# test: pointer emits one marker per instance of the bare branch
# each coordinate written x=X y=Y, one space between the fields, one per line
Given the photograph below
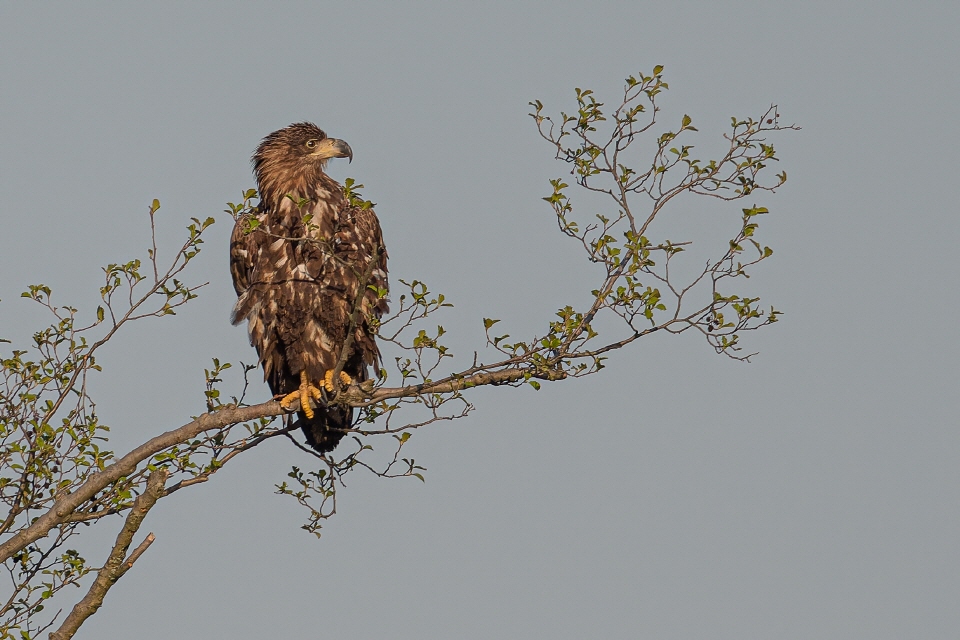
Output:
x=115 y=566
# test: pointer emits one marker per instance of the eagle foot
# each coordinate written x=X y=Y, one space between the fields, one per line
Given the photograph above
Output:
x=303 y=394
x=345 y=380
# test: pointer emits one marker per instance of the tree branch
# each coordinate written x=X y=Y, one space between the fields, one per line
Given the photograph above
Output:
x=115 y=566
x=61 y=511
x=126 y=465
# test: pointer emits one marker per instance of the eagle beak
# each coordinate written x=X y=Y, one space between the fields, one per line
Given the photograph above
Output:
x=333 y=148
x=343 y=150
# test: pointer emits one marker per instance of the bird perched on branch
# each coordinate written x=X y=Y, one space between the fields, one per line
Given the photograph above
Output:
x=310 y=271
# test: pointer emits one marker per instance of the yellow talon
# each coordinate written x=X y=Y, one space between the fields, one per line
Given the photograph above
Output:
x=303 y=394
x=328 y=380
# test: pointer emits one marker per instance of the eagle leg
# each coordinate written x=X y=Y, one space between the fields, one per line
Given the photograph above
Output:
x=328 y=380
x=304 y=393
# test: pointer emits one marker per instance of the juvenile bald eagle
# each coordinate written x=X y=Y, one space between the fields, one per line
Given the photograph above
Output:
x=300 y=264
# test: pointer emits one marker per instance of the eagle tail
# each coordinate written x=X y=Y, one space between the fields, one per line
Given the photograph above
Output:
x=326 y=428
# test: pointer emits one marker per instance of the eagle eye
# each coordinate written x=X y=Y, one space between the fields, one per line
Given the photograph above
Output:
x=311 y=144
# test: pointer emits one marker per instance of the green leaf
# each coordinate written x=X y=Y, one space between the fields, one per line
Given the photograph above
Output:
x=489 y=322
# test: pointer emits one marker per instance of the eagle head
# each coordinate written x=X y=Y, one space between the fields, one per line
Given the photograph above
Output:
x=288 y=155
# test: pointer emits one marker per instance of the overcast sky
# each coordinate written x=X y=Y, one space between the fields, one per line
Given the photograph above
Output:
x=677 y=494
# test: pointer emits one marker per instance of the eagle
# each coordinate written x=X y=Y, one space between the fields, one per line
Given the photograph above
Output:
x=310 y=271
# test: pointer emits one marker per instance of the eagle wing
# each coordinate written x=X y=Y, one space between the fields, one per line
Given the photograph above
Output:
x=241 y=249
x=358 y=272
x=250 y=268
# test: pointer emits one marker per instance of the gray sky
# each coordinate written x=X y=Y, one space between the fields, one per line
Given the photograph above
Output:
x=810 y=494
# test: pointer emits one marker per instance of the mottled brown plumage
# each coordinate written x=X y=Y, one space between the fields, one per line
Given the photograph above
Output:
x=299 y=272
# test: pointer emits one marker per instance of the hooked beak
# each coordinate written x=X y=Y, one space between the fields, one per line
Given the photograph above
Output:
x=333 y=148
